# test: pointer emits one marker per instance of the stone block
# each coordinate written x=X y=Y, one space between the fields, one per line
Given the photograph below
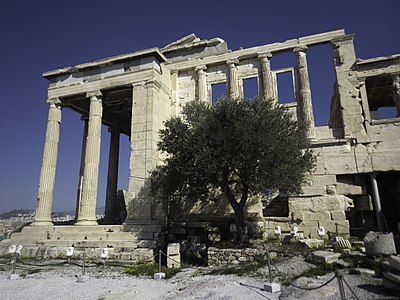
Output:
x=82 y=278
x=365 y=271
x=348 y=189
x=13 y=277
x=272 y=287
x=173 y=255
x=325 y=257
x=338 y=215
x=320 y=204
x=312 y=243
x=158 y=276
x=377 y=243
x=394 y=262
x=392 y=277
x=323 y=215
x=390 y=285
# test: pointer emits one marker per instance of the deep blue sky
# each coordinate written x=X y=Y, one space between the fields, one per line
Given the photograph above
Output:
x=37 y=36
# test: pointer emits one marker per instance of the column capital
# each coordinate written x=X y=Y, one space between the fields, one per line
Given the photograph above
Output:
x=54 y=101
x=200 y=68
x=174 y=72
x=137 y=85
x=264 y=56
x=300 y=49
x=232 y=62
x=94 y=94
x=113 y=129
x=346 y=39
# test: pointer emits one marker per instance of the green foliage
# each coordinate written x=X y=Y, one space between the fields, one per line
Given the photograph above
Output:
x=243 y=269
x=237 y=147
x=149 y=268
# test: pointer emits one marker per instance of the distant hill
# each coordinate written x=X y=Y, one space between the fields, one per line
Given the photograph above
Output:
x=16 y=212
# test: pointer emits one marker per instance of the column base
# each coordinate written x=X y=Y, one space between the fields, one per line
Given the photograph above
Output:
x=86 y=223
x=42 y=223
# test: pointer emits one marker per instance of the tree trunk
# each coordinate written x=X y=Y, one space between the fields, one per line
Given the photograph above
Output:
x=240 y=226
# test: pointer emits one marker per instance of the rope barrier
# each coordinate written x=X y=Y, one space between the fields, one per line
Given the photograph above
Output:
x=178 y=262
x=354 y=294
x=314 y=288
x=353 y=228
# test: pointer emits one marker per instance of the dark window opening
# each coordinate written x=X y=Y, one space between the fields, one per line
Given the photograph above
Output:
x=285 y=86
x=250 y=88
x=380 y=97
x=218 y=90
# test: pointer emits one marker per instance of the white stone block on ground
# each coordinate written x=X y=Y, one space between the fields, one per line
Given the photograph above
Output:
x=173 y=255
x=82 y=279
x=159 y=275
x=364 y=271
x=272 y=287
x=312 y=243
x=324 y=257
x=13 y=276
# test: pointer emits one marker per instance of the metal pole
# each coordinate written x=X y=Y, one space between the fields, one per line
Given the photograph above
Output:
x=14 y=261
x=340 y=283
x=83 y=264
x=269 y=267
x=159 y=261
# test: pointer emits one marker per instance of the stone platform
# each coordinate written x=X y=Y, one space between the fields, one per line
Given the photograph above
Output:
x=52 y=241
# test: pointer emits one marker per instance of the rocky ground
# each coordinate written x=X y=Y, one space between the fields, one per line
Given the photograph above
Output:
x=56 y=280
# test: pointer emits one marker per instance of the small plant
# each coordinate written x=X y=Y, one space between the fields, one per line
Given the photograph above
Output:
x=242 y=269
x=197 y=273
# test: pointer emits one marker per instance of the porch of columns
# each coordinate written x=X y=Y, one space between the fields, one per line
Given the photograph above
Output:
x=233 y=78
x=267 y=85
x=305 y=110
x=202 y=82
x=49 y=163
x=87 y=205
x=112 y=177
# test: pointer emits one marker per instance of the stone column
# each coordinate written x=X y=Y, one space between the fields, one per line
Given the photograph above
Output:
x=85 y=120
x=49 y=162
x=174 y=93
x=87 y=205
x=202 y=82
x=377 y=203
x=267 y=86
x=112 y=178
x=233 y=78
x=304 y=101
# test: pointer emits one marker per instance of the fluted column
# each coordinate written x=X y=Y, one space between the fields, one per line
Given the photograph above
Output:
x=49 y=163
x=87 y=205
x=202 y=82
x=85 y=120
x=112 y=178
x=305 y=114
x=174 y=92
x=267 y=88
x=233 y=78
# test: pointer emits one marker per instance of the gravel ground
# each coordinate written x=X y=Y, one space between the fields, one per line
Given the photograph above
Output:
x=110 y=283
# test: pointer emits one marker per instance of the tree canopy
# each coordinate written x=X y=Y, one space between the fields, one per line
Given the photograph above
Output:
x=239 y=147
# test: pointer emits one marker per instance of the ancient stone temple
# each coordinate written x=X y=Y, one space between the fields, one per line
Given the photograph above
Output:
x=354 y=188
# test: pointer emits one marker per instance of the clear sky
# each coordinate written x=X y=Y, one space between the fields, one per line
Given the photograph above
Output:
x=38 y=36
